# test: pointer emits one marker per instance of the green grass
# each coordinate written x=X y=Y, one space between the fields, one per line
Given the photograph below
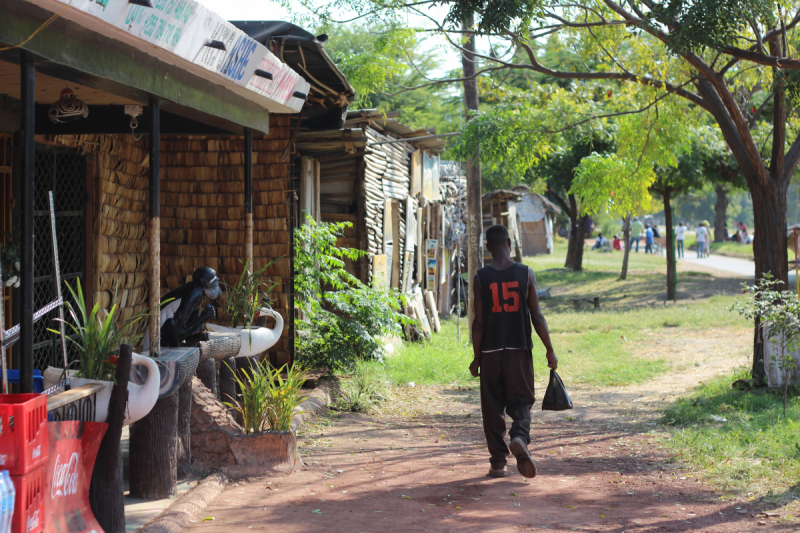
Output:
x=755 y=450
x=589 y=345
x=734 y=249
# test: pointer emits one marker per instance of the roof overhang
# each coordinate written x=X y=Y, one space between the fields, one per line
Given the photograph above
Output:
x=134 y=51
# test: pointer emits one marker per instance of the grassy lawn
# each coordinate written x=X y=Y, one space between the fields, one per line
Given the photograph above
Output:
x=755 y=450
x=596 y=348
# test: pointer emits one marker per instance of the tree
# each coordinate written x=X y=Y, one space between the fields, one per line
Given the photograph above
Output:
x=717 y=56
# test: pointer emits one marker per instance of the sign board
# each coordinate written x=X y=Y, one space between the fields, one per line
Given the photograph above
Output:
x=431 y=273
x=416 y=173
x=73 y=450
x=379 y=269
x=431 y=248
x=430 y=177
x=182 y=27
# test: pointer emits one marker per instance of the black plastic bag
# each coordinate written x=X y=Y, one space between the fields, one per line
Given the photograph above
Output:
x=556 y=397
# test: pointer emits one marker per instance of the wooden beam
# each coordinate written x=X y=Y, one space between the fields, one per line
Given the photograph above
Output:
x=155 y=226
x=248 y=197
x=28 y=79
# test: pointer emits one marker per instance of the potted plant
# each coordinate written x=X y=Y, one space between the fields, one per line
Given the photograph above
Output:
x=245 y=301
x=96 y=340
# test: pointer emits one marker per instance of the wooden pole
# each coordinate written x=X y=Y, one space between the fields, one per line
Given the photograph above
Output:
x=248 y=197
x=155 y=227
x=474 y=209
x=106 y=492
x=28 y=82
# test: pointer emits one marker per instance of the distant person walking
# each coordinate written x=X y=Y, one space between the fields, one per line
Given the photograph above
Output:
x=702 y=235
x=637 y=228
x=680 y=236
x=506 y=304
x=649 y=239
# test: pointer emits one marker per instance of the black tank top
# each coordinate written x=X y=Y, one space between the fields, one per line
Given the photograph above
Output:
x=506 y=317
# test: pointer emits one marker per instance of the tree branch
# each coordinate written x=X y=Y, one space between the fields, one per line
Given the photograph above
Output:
x=440 y=82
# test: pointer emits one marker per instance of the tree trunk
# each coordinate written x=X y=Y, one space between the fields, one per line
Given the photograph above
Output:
x=227 y=383
x=207 y=372
x=184 y=450
x=769 y=250
x=721 y=209
x=469 y=65
x=626 y=238
x=106 y=490
x=580 y=237
x=153 y=452
x=671 y=270
x=573 y=231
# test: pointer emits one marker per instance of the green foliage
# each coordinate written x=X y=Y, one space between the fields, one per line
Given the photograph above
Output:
x=621 y=181
x=244 y=299
x=341 y=319
x=494 y=16
x=9 y=260
x=375 y=62
x=364 y=390
x=96 y=339
x=702 y=24
x=755 y=450
x=268 y=399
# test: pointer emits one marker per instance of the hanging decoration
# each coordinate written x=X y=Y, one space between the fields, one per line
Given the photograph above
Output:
x=68 y=108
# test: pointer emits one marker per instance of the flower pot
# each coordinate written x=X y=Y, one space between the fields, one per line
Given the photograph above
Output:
x=254 y=339
x=141 y=398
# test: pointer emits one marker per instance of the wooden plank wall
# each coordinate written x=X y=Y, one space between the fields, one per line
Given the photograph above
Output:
x=120 y=210
x=202 y=212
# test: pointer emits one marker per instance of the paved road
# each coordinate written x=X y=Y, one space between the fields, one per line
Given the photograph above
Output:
x=734 y=265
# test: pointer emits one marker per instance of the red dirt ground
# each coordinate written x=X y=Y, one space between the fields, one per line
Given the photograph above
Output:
x=426 y=471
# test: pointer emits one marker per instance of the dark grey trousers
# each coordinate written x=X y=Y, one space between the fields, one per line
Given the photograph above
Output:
x=507 y=386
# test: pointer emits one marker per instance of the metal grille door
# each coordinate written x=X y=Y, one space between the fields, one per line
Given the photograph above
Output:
x=64 y=173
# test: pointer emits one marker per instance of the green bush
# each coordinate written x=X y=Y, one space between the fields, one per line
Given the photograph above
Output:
x=365 y=390
x=340 y=319
x=268 y=400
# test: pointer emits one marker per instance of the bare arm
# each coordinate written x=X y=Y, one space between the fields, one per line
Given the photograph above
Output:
x=477 y=327
x=539 y=323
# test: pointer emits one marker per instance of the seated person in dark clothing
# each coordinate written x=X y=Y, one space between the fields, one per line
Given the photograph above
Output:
x=506 y=304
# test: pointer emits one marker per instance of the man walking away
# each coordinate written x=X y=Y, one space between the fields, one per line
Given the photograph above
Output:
x=702 y=233
x=636 y=232
x=506 y=303
x=680 y=233
x=649 y=240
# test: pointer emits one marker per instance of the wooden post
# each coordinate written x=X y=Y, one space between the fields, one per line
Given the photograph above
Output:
x=153 y=451
x=28 y=82
x=474 y=208
x=155 y=228
x=184 y=450
x=106 y=493
x=248 y=197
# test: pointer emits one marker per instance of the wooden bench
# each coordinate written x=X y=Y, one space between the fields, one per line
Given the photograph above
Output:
x=576 y=302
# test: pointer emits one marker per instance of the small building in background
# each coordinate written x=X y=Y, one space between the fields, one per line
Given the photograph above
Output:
x=535 y=216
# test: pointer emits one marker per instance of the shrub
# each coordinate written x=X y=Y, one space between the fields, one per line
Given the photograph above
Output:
x=340 y=319
x=96 y=339
x=268 y=400
x=365 y=390
x=244 y=299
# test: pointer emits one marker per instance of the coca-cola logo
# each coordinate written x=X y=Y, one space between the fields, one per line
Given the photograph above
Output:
x=65 y=477
x=3 y=459
x=36 y=452
x=32 y=522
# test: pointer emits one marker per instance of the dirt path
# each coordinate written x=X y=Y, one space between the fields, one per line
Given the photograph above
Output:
x=421 y=466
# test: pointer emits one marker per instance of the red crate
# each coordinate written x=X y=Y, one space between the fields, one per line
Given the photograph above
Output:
x=29 y=502
x=24 y=441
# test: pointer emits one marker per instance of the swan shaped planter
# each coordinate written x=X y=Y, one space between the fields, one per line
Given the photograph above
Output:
x=255 y=339
x=141 y=398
